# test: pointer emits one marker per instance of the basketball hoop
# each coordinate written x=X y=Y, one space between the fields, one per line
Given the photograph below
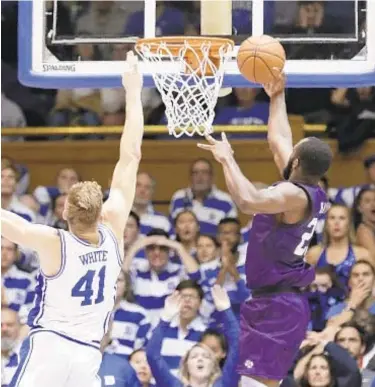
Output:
x=188 y=72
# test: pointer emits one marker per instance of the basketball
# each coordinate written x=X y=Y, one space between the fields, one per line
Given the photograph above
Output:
x=258 y=56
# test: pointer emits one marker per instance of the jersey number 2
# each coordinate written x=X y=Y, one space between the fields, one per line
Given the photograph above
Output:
x=306 y=237
x=83 y=287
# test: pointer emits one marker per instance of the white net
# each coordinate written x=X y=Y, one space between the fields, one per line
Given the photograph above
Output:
x=188 y=77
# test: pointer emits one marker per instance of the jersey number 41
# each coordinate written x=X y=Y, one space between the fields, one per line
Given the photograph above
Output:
x=84 y=289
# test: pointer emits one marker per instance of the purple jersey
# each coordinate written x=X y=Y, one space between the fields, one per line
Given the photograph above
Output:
x=275 y=253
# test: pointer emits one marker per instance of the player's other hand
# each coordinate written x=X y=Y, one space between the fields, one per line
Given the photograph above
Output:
x=221 y=150
x=276 y=87
x=172 y=306
x=220 y=297
x=132 y=79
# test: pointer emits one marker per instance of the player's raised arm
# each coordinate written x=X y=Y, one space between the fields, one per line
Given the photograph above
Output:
x=249 y=199
x=119 y=203
x=279 y=131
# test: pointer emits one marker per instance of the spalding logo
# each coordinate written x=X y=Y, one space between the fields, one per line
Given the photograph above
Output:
x=71 y=68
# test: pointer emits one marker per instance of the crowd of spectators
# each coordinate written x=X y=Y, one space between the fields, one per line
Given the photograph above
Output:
x=175 y=321
x=348 y=114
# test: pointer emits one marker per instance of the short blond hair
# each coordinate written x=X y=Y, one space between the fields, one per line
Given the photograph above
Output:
x=84 y=203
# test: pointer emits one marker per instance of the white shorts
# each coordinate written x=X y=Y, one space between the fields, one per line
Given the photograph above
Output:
x=49 y=360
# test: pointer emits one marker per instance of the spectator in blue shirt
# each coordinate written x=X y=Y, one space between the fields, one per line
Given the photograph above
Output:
x=130 y=326
x=117 y=371
x=224 y=266
x=208 y=203
x=23 y=175
x=45 y=195
x=243 y=109
x=337 y=249
x=233 y=256
x=183 y=329
x=132 y=236
x=220 y=342
x=199 y=365
x=10 y=344
x=157 y=279
x=325 y=292
x=361 y=283
x=18 y=285
x=207 y=252
x=187 y=230
x=57 y=220
x=149 y=218
x=9 y=198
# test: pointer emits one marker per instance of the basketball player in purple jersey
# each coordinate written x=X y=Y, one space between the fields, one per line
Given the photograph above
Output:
x=275 y=320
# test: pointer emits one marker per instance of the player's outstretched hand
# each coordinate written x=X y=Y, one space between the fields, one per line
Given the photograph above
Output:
x=221 y=150
x=132 y=79
x=277 y=86
x=172 y=306
x=220 y=297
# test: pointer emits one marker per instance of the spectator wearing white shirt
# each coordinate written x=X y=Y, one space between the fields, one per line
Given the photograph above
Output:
x=187 y=231
x=229 y=270
x=45 y=195
x=9 y=199
x=131 y=237
x=10 y=344
x=18 y=286
x=130 y=326
x=153 y=282
x=23 y=174
x=209 y=204
x=182 y=325
x=142 y=206
x=57 y=220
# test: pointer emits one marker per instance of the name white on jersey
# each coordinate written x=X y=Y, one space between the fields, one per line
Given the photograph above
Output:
x=78 y=301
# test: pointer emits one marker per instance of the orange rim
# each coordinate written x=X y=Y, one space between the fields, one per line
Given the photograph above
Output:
x=174 y=43
x=193 y=55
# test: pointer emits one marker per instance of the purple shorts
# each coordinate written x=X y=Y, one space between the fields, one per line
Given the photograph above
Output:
x=272 y=329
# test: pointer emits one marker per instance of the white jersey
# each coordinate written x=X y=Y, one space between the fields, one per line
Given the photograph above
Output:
x=77 y=302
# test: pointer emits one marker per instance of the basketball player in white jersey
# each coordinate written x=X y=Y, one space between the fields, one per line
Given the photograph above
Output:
x=79 y=267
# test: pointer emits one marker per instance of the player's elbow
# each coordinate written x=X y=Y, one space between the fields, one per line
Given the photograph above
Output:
x=246 y=206
x=129 y=157
x=272 y=140
x=275 y=139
